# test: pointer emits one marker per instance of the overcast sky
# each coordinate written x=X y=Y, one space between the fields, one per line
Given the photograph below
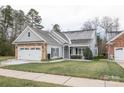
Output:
x=70 y=14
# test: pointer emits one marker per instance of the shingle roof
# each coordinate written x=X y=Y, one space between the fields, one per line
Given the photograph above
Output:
x=46 y=35
x=74 y=35
x=62 y=35
x=81 y=41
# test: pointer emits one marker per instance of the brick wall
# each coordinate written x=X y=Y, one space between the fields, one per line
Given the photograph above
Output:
x=118 y=42
x=42 y=46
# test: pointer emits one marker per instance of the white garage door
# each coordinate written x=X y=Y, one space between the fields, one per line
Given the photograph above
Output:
x=119 y=54
x=29 y=53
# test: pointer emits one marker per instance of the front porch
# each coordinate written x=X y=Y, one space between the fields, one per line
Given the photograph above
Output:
x=73 y=52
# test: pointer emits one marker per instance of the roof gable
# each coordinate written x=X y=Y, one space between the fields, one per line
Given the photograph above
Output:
x=23 y=37
x=47 y=36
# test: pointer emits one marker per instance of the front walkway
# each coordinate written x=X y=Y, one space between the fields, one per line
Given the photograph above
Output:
x=57 y=79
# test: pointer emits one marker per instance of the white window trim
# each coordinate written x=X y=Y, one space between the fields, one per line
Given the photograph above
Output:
x=55 y=56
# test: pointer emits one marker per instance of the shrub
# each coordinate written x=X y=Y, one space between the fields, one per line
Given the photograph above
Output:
x=100 y=57
x=88 y=53
x=76 y=56
x=6 y=49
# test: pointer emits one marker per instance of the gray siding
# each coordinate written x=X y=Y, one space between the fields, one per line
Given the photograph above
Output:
x=25 y=37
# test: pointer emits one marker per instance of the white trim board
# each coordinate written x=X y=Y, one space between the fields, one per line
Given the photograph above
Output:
x=115 y=37
x=74 y=45
x=68 y=38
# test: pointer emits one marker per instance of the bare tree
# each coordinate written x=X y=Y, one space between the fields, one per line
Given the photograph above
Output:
x=116 y=24
x=91 y=24
x=95 y=22
x=87 y=25
x=106 y=23
x=109 y=24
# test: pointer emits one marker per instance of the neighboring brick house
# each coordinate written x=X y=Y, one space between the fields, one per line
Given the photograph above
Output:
x=115 y=47
x=36 y=44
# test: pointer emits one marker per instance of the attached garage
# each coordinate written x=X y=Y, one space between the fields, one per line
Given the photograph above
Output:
x=119 y=54
x=33 y=53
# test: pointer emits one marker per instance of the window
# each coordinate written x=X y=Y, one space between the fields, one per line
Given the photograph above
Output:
x=76 y=50
x=28 y=34
x=32 y=48
x=119 y=49
x=37 y=48
x=57 y=51
x=21 y=48
x=54 y=52
x=71 y=50
x=26 y=48
x=80 y=50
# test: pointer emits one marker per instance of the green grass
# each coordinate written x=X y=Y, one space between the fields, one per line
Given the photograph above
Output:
x=2 y=58
x=94 y=69
x=12 y=82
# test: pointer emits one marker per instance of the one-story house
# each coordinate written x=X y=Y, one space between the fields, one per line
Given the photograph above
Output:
x=36 y=44
x=115 y=48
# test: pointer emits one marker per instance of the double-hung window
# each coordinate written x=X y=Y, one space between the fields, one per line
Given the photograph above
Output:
x=54 y=52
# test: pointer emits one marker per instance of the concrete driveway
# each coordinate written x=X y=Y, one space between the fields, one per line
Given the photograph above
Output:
x=15 y=62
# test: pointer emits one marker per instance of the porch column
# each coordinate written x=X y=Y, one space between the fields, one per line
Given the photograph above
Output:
x=63 y=52
x=69 y=51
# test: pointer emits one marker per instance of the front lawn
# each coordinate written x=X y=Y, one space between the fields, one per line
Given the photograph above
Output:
x=13 y=82
x=2 y=58
x=94 y=69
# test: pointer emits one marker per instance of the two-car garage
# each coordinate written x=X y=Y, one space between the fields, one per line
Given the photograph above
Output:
x=26 y=53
